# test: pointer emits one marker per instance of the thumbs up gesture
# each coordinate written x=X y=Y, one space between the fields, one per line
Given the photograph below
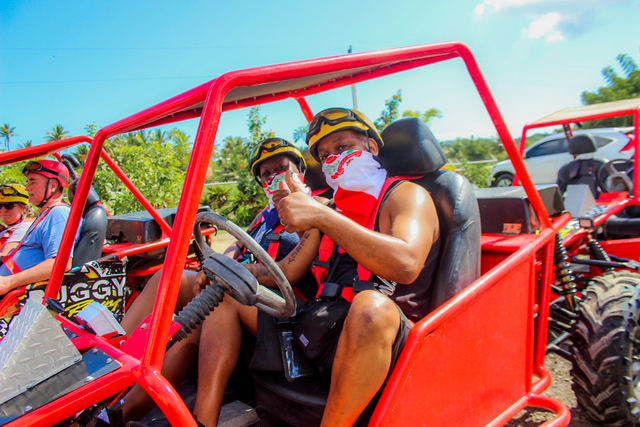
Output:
x=297 y=211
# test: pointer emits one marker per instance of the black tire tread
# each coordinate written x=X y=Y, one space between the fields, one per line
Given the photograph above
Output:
x=605 y=339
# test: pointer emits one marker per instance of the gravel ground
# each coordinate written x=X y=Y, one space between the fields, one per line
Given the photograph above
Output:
x=559 y=389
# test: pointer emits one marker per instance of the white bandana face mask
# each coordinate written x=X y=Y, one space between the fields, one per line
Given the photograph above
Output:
x=349 y=167
x=273 y=183
x=357 y=179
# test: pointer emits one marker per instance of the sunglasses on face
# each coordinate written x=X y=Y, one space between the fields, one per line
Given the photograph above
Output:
x=7 y=206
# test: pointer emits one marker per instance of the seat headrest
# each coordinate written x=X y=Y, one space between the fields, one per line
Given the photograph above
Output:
x=314 y=177
x=582 y=144
x=92 y=198
x=410 y=149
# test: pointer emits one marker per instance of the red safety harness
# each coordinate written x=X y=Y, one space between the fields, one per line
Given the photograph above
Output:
x=273 y=238
x=327 y=250
x=8 y=260
x=8 y=232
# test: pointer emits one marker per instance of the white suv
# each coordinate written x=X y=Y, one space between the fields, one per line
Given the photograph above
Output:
x=544 y=158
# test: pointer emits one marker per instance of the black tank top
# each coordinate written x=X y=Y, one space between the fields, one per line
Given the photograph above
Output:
x=412 y=298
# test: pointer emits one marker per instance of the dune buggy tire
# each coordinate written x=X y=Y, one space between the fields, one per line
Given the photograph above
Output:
x=606 y=349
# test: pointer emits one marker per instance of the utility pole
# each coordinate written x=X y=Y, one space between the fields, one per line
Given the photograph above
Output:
x=353 y=89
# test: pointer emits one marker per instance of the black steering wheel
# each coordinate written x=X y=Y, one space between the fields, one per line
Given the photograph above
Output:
x=616 y=175
x=239 y=283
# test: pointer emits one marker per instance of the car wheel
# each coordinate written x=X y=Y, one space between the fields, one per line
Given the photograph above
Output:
x=504 y=179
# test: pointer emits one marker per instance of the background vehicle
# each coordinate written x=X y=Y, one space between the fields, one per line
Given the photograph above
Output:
x=545 y=157
x=594 y=316
x=476 y=360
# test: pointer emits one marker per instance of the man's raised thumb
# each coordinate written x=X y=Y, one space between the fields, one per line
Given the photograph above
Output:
x=292 y=184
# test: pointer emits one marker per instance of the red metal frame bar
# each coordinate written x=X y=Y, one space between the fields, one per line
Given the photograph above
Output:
x=166 y=229
x=49 y=148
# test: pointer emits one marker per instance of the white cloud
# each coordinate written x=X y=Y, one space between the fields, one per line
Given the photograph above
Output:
x=545 y=26
x=552 y=20
x=497 y=5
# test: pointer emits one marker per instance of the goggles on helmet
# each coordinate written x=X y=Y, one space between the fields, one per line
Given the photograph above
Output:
x=13 y=193
x=332 y=117
x=37 y=167
x=274 y=147
x=7 y=190
x=332 y=120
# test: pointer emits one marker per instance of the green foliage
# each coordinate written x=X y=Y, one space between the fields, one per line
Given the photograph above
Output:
x=427 y=117
x=300 y=134
x=231 y=163
x=154 y=163
x=617 y=88
x=391 y=111
x=12 y=173
x=465 y=149
x=477 y=174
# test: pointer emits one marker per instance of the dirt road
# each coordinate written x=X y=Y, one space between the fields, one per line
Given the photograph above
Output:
x=560 y=389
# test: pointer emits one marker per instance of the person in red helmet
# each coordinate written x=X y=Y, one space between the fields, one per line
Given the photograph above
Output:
x=32 y=260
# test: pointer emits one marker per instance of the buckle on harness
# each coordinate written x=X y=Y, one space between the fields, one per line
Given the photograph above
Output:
x=318 y=263
x=330 y=291
x=273 y=237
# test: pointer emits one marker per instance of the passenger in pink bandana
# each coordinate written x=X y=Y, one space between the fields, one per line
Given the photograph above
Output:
x=388 y=254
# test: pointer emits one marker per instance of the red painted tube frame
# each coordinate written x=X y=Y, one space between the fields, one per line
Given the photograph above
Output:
x=166 y=229
x=213 y=93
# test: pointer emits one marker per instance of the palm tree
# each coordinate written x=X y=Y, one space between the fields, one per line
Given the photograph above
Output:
x=7 y=132
x=57 y=133
x=25 y=144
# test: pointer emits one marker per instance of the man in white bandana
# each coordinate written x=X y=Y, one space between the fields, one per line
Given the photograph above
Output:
x=375 y=241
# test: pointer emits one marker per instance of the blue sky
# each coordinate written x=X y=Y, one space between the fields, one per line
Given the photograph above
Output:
x=79 y=62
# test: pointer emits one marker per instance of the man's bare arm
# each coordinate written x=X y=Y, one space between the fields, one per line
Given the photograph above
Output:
x=295 y=265
x=408 y=228
x=37 y=273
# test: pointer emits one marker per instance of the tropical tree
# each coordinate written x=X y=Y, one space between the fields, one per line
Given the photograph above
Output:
x=57 y=133
x=300 y=133
x=152 y=165
x=617 y=88
x=91 y=129
x=7 y=132
x=25 y=144
x=427 y=117
x=182 y=147
x=231 y=163
x=391 y=111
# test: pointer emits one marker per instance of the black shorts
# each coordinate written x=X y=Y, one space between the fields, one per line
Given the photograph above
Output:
x=268 y=356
